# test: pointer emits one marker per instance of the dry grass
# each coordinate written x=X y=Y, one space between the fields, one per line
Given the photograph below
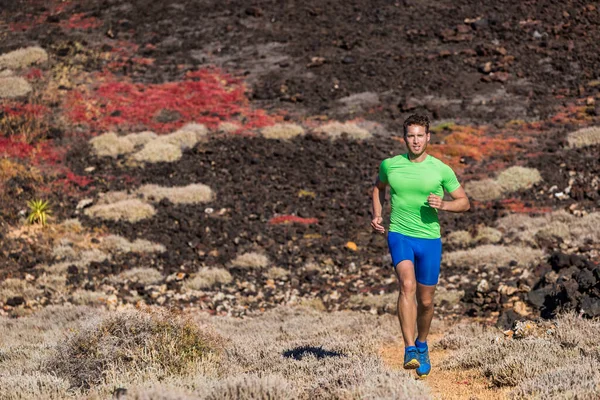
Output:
x=6 y=72
x=487 y=235
x=386 y=301
x=584 y=137
x=459 y=238
x=282 y=131
x=277 y=273
x=131 y=210
x=493 y=256
x=132 y=341
x=229 y=127
x=82 y=297
x=111 y=145
x=517 y=178
x=158 y=151
x=335 y=130
x=190 y=194
x=484 y=190
x=208 y=278
x=252 y=387
x=13 y=86
x=120 y=244
x=12 y=287
x=558 y=362
x=145 y=276
x=23 y=58
x=251 y=260
x=521 y=228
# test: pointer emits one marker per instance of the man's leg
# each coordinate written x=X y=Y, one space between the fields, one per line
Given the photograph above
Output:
x=425 y=310
x=407 y=306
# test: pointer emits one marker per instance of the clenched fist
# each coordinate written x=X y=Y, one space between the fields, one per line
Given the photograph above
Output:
x=435 y=201
x=376 y=225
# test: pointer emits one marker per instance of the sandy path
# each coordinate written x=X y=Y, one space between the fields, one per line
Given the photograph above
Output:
x=447 y=385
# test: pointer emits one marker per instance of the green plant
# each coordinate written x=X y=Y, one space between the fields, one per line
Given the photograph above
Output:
x=39 y=211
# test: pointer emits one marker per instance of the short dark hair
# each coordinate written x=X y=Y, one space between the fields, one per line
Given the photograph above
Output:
x=416 y=119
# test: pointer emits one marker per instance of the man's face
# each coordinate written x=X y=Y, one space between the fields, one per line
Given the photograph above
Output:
x=416 y=139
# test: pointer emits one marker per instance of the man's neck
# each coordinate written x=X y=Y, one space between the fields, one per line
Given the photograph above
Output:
x=413 y=158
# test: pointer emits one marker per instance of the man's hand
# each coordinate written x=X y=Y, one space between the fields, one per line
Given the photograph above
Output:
x=376 y=225
x=435 y=201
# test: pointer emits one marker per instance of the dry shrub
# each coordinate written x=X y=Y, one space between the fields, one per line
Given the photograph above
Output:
x=277 y=273
x=55 y=284
x=452 y=297
x=574 y=331
x=13 y=86
x=145 y=276
x=459 y=238
x=12 y=287
x=140 y=138
x=121 y=244
x=251 y=260
x=463 y=335
x=160 y=391
x=133 y=340
x=208 y=278
x=87 y=257
x=23 y=57
x=113 y=197
x=335 y=130
x=131 y=210
x=584 y=137
x=229 y=127
x=576 y=380
x=111 y=145
x=517 y=178
x=190 y=194
x=158 y=151
x=82 y=297
x=33 y=386
x=484 y=190
x=314 y=303
x=5 y=73
x=558 y=224
x=321 y=356
x=487 y=234
x=64 y=252
x=282 y=131
x=490 y=255
x=378 y=301
x=252 y=387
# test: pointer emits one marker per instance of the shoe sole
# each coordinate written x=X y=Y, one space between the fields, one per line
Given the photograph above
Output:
x=422 y=376
x=412 y=364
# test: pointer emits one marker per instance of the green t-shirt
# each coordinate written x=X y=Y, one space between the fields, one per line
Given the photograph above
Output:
x=410 y=184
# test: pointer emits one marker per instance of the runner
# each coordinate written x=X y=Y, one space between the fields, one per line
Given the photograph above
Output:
x=417 y=182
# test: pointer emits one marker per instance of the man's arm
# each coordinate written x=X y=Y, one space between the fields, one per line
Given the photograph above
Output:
x=378 y=202
x=459 y=203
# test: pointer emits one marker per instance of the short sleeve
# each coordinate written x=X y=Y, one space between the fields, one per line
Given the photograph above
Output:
x=449 y=181
x=383 y=171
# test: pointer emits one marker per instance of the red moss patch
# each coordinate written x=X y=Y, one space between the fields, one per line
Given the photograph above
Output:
x=290 y=219
x=206 y=96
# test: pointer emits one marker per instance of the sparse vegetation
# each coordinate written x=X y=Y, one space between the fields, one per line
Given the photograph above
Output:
x=250 y=260
x=208 y=278
x=131 y=210
x=554 y=362
x=23 y=57
x=12 y=87
x=132 y=341
x=277 y=273
x=158 y=151
x=190 y=194
x=335 y=130
x=145 y=276
x=120 y=244
x=385 y=301
x=484 y=190
x=517 y=178
x=584 y=137
x=111 y=145
x=282 y=131
x=493 y=256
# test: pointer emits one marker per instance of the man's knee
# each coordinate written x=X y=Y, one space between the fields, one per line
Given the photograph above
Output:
x=426 y=303
x=408 y=287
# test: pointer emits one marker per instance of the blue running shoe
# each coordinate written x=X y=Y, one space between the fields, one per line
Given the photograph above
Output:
x=411 y=360
x=424 y=364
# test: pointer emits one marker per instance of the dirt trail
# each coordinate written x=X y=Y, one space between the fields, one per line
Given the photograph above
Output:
x=447 y=385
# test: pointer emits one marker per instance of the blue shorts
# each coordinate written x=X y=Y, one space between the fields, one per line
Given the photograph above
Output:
x=425 y=254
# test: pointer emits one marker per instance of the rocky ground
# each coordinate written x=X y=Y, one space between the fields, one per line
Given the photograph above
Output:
x=288 y=219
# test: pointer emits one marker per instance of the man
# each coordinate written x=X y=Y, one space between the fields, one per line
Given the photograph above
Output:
x=417 y=182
